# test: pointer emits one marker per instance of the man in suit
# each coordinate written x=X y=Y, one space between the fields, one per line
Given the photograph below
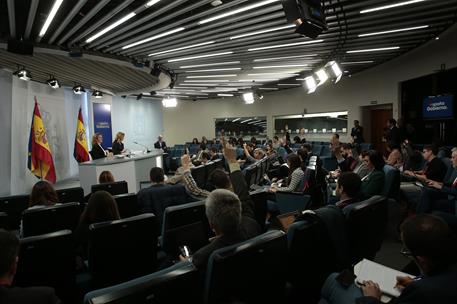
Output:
x=357 y=133
x=393 y=136
x=347 y=189
x=160 y=143
x=9 y=250
x=440 y=194
x=432 y=245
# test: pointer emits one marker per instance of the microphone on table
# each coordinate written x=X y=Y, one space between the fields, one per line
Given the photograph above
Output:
x=147 y=148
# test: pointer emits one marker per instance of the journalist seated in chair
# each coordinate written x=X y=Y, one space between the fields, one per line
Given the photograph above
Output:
x=43 y=195
x=373 y=182
x=435 y=170
x=214 y=154
x=183 y=175
x=223 y=210
x=106 y=177
x=295 y=178
x=347 y=189
x=395 y=158
x=432 y=245
x=101 y=208
x=441 y=196
x=9 y=251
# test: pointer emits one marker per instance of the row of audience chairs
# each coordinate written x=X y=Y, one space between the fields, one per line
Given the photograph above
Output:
x=254 y=173
x=202 y=173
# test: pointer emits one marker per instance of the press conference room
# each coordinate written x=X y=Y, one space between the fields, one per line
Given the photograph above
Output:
x=228 y=151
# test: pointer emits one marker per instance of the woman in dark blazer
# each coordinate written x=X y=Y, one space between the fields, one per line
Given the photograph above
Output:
x=118 y=146
x=97 y=149
x=373 y=183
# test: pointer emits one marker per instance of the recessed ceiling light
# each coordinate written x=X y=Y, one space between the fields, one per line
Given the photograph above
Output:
x=356 y=62
x=200 y=56
x=280 y=66
x=395 y=31
x=182 y=48
x=379 y=8
x=213 y=70
x=263 y=31
x=209 y=64
x=179 y=29
x=282 y=58
x=285 y=45
x=212 y=76
x=51 y=16
x=110 y=27
x=374 y=50
x=237 y=11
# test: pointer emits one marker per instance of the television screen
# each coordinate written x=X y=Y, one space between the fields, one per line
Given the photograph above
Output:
x=438 y=107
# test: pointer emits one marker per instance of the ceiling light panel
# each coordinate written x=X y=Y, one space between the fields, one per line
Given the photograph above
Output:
x=394 y=31
x=213 y=70
x=52 y=14
x=374 y=50
x=110 y=27
x=384 y=7
x=212 y=76
x=155 y=37
x=280 y=66
x=237 y=11
x=182 y=48
x=283 y=58
x=209 y=64
x=263 y=31
x=200 y=56
x=285 y=45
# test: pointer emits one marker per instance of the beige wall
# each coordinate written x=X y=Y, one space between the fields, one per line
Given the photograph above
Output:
x=381 y=84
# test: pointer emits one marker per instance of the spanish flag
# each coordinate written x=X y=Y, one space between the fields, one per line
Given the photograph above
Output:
x=81 y=152
x=40 y=160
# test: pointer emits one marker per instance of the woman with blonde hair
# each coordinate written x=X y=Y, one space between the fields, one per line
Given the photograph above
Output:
x=97 y=149
x=118 y=145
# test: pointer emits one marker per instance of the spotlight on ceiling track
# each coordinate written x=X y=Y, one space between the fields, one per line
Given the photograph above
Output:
x=321 y=76
x=248 y=98
x=156 y=70
x=138 y=97
x=307 y=15
x=53 y=82
x=23 y=74
x=97 y=94
x=79 y=89
x=311 y=84
x=168 y=102
x=334 y=70
x=259 y=95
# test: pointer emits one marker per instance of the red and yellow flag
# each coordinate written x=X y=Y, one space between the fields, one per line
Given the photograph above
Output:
x=40 y=161
x=81 y=152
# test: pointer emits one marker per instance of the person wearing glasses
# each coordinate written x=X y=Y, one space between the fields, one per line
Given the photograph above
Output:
x=432 y=245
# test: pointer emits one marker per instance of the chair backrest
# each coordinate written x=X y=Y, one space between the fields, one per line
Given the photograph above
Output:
x=259 y=198
x=392 y=182
x=209 y=168
x=317 y=247
x=450 y=169
x=122 y=250
x=317 y=149
x=326 y=151
x=252 y=271
x=156 y=199
x=127 y=204
x=185 y=225
x=365 y=225
x=50 y=219
x=48 y=260
x=113 y=188
x=176 y=284
x=3 y=220
x=219 y=163
x=13 y=206
x=69 y=195
x=291 y=202
x=199 y=175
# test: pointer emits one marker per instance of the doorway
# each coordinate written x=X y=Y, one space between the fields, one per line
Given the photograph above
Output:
x=378 y=125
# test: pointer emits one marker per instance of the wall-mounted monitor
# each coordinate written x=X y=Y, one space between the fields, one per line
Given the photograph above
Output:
x=438 y=107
